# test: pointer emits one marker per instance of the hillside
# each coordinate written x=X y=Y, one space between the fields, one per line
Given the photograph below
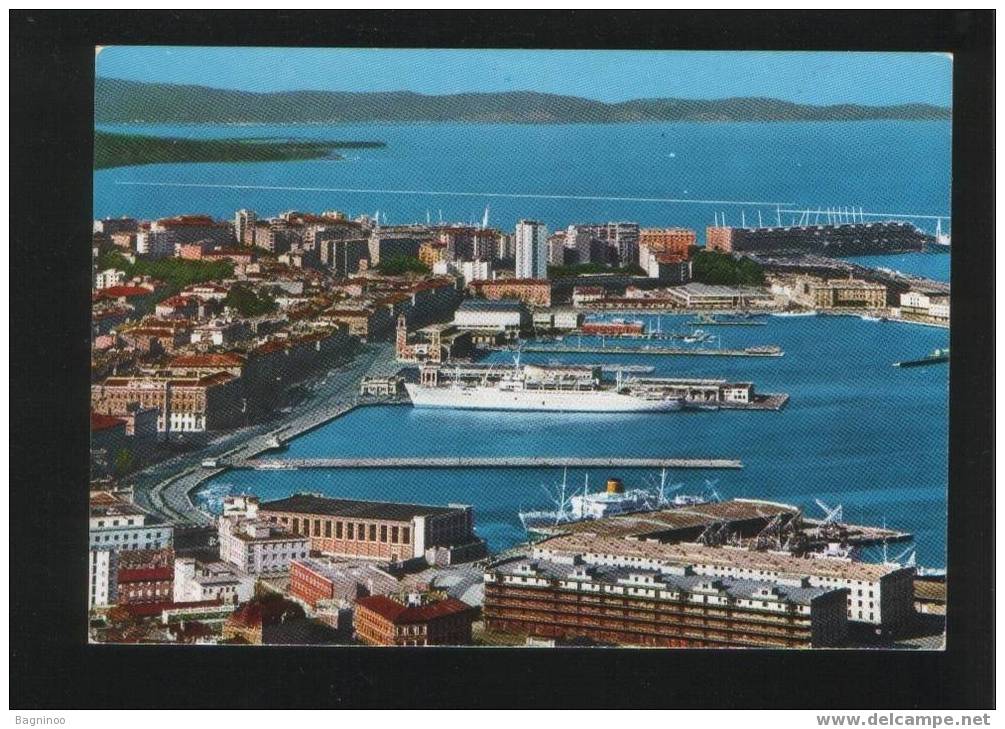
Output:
x=119 y=101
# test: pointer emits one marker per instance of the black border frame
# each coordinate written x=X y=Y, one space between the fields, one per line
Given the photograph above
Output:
x=51 y=99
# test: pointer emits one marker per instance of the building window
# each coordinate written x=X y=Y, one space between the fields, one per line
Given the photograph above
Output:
x=373 y=533
x=328 y=528
x=349 y=530
x=394 y=534
x=361 y=532
x=338 y=530
x=296 y=526
x=383 y=532
x=405 y=535
x=317 y=527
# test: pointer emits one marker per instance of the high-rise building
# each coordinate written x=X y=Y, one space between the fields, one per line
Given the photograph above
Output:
x=244 y=227
x=531 y=249
x=621 y=241
x=579 y=241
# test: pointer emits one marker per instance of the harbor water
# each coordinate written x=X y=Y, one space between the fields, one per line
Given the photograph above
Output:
x=856 y=432
x=559 y=174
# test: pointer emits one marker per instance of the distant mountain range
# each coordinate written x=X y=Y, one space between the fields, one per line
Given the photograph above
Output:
x=120 y=101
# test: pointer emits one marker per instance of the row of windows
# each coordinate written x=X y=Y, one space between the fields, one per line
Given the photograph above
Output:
x=106 y=538
x=115 y=522
x=352 y=531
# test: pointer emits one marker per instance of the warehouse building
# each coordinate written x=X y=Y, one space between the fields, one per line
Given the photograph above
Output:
x=565 y=597
x=381 y=531
x=880 y=596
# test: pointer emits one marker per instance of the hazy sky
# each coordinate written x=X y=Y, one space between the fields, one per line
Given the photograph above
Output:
x=816 y=78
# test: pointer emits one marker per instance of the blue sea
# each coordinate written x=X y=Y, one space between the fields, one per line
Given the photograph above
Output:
x=857 y=431
x=554 y=173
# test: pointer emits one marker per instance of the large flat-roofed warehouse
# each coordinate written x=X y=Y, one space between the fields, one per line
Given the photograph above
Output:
x=381 y=531
x=705 y=296
x=489 y=320
x=880 y=595
x=565 y=597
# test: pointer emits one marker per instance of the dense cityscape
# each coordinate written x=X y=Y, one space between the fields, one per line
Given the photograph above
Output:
x=216 y=342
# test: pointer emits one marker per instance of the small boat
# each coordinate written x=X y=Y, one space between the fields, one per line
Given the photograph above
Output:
x=937 y=356
x=698 y=335
x=811 y=312
x=742 y=319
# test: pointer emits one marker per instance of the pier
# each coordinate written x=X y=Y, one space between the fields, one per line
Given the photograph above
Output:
x=648 y=350
x=270 y=464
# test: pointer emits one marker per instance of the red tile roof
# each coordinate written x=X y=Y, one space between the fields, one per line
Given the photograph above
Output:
x=116 y=292
x=179 y=300
x=399 y=614
x=104 y=422
x=189 y=221
x=517 y=282
x=145 y=574
x=226 y=359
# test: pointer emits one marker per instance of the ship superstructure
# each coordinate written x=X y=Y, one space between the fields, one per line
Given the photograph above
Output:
x=614 y=500
x=534 y=387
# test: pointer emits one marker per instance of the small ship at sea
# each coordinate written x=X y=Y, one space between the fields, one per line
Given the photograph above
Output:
x=937 y=356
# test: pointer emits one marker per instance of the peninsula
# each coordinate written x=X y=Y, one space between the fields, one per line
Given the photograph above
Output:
x=120 y=150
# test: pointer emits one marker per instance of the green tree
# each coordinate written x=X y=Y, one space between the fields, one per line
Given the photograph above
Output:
x=722 y=269
x=248 y=303
x=123 y=461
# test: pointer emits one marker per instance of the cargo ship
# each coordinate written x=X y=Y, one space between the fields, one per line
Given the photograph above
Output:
x=556 y=389
x=937 y=356
x=612 y=501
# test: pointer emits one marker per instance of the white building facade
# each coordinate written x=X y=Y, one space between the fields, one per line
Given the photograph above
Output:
x=256 y=546
x=196 y=581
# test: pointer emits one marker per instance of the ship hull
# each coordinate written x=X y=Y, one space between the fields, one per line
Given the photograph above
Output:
x=922 y=362
x=568 y=401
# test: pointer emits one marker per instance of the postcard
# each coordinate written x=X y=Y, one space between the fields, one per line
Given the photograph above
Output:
x=527 y=348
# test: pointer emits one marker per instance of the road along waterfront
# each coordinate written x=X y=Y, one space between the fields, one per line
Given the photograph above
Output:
x=165 y=487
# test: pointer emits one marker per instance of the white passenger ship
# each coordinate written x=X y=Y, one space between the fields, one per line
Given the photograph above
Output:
x=530 y=387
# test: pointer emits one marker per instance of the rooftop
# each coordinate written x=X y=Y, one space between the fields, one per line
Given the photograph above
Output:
x=338 y=570
x=101 y=422
x=700 y=289
x=116 y=292
x=488 y=305
x=799 y=594
x=516 y=282
x=226 y=359
x=402 y=614
x=104 y=503
x=697 y=554
x=311 y=504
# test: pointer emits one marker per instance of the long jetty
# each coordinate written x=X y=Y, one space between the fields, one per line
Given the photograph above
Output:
x=647 y=350
x=477 y=462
